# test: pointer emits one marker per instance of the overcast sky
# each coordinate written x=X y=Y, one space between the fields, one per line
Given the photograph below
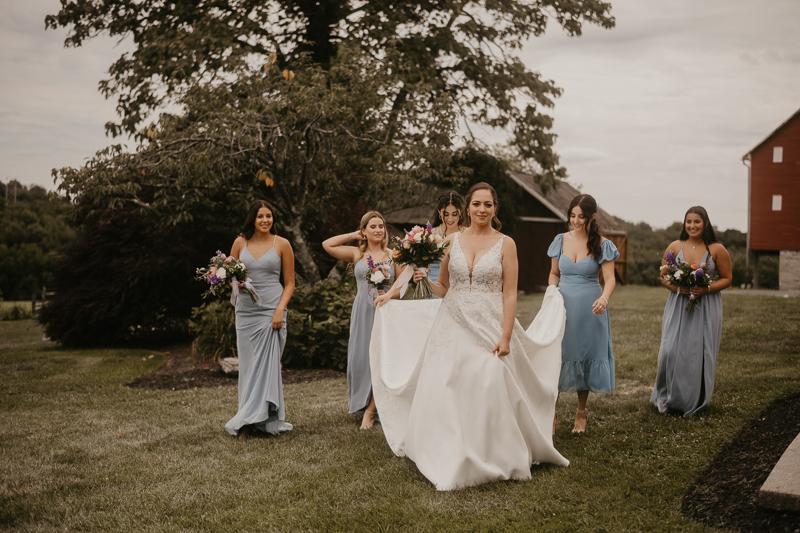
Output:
x=655 y=117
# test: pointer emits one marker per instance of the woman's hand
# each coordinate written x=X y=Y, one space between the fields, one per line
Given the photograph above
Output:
x=700 y=291
x=381 y=292
x=420 y=273
x=599 y=306
x=383 y=297
x=502 y=348
x=685 y=291
x=277 y=319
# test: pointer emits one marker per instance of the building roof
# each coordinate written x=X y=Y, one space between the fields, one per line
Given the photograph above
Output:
x=746 y=156
x=558 y=199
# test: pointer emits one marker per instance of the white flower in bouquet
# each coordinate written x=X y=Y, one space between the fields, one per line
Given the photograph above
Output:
x=677 y=274
x=222 y=273
x=377 y=277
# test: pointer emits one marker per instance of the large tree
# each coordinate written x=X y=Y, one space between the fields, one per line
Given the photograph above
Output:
x=463 y=48
x=300 y=140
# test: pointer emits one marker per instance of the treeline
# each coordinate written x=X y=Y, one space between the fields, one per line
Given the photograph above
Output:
x=646 y=247
x=34 y=231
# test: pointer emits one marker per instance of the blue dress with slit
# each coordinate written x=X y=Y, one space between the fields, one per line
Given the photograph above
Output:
x=260 y=348
x=687 y=357
x=586 y=359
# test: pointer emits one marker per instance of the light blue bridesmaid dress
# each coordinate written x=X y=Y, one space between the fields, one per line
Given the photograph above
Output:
x=586 y=359
x=687 y=358
x=359 y=377
x=260 y=348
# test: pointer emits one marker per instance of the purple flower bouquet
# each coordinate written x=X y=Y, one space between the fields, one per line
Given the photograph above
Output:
x=682 y=274
x=220 y=274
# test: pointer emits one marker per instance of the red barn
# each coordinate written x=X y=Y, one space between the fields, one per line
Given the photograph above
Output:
x=773 y=200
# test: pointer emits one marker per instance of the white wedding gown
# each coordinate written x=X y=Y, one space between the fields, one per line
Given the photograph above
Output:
x=462 y=414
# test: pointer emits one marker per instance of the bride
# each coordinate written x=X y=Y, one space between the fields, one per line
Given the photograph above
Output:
x=462 y=389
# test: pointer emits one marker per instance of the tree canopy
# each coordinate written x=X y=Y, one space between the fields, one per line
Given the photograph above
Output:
x=465 y=49
x=298 y=141
x=33 y=232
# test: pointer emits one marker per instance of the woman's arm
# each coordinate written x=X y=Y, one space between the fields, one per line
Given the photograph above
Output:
x=510 y=277
x=238 y=246
x=286 y=254
x=724 y=268
x=672 y=248
x=335 y=246
x=555 y=273
x=609 y=284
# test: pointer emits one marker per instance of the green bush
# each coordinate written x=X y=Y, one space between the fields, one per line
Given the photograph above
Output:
x=318 y=326
x=16 y=312
x=213 y=326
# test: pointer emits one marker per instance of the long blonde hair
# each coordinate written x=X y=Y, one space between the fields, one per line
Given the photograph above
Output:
x=362 y=245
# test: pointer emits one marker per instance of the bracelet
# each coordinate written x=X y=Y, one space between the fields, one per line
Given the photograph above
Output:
x=604 y=298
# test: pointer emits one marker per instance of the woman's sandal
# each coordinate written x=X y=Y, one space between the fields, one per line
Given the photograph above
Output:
x=586 y=421
x=363 y=423
x=244 y=433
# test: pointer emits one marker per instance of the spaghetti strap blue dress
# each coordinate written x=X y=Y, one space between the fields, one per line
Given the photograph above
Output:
x=687 y=357
x=587 y=362
x=260 y=348
x=359 y=377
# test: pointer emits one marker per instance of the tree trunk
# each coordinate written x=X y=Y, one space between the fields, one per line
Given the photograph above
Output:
x=305 y=267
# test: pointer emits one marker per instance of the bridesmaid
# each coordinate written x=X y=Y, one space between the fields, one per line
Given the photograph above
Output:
x=587 y=363
x=373 y=241
x=446 y=220
x=687 y=358
x=261 y=327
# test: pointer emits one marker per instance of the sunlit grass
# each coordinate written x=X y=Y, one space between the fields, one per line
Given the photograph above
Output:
x=83 y=452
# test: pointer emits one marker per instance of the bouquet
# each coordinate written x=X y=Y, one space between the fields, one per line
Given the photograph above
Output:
x=420 y=248
x=682 y=274
x=378 y=275
x=220 y=273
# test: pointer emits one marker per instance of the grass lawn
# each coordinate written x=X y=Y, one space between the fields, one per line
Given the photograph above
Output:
x=83 y=452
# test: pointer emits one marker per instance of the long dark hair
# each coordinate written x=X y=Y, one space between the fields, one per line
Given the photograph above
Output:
x=588 y=207
x=250 y=223
x=480 y=187
x=449 y=198
x=709 y=235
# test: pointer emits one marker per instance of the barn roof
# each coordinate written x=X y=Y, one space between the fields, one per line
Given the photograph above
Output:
x=558 y=199
x=746 y=156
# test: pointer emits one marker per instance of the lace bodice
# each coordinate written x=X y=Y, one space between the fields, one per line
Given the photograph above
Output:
x=487 y=273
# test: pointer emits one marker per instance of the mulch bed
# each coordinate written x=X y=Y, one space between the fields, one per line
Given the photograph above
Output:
x=182 y=371
x=725 y=495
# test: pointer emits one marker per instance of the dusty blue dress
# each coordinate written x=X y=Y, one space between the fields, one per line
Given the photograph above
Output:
x=260 y=348
x=359 y=378
x=687 y=357
x=586 y=359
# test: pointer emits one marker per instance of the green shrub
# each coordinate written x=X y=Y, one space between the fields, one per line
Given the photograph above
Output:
x=318 y=326
x=213 y=326
x=16 y=312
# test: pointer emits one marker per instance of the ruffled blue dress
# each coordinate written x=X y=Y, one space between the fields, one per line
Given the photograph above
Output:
x=586 y=359
x=260 y=348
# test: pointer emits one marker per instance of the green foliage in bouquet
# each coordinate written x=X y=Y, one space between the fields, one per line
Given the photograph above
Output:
x=213 y=326
x=319 y=325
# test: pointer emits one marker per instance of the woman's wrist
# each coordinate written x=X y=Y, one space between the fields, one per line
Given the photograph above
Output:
x=605 y=299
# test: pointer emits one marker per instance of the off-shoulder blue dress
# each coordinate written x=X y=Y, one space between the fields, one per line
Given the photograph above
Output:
x=586 y=359
x=260 y=348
